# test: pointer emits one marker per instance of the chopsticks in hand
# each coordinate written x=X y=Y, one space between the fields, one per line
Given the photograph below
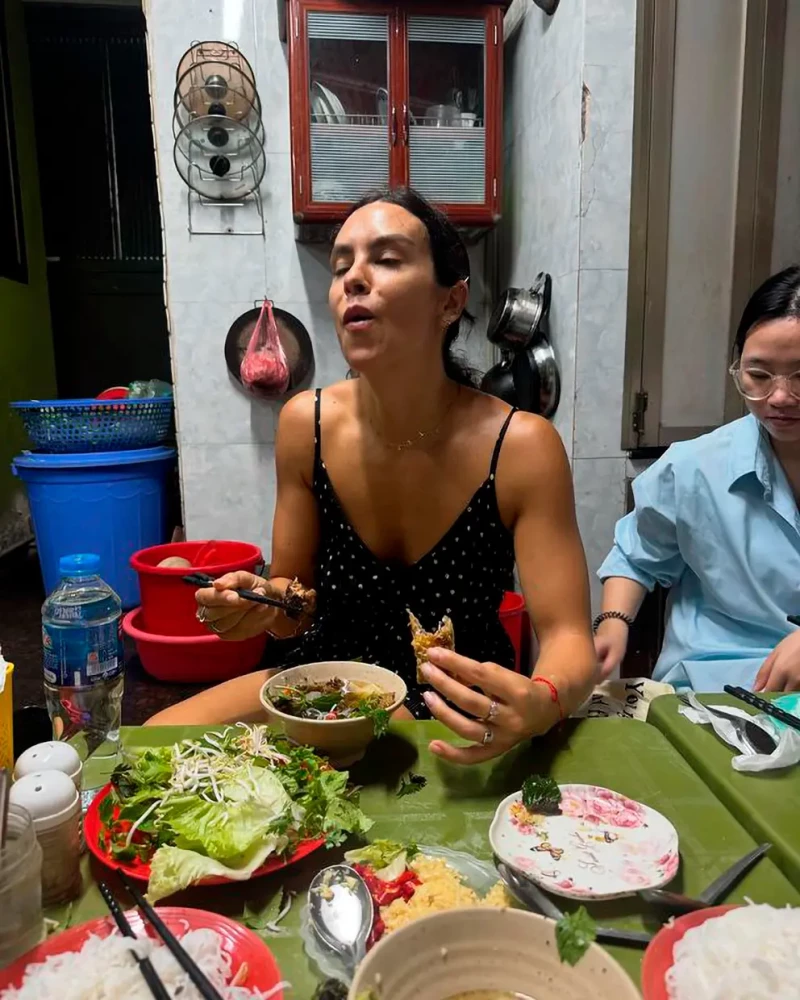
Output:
x=149 y=974
x=203 y=580
x=206 y=989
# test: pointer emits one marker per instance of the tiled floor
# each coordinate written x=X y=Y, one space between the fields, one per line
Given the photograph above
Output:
x=21 y=597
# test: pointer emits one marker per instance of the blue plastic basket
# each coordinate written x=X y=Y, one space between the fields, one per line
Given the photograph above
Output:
x=61 y=426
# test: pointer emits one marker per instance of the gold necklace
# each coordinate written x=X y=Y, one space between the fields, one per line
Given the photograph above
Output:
x=420 y=435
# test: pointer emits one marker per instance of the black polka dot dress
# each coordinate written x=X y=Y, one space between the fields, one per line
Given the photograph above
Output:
x=363 y=601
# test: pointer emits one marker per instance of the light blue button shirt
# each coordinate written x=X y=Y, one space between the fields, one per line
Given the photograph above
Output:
x=715 y=520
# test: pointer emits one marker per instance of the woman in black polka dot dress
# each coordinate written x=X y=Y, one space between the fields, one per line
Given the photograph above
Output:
x=407 y=489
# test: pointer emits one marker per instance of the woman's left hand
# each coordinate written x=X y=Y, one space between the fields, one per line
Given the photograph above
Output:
x=781 y=669
x=507 y=709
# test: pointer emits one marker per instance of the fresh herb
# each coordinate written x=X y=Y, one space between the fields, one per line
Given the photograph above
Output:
x=411 y=785
x=267 y=919
x=574 y=933
x=380 y=717
x=540 y=794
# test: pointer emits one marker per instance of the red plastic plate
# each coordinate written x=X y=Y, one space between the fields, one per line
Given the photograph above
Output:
x=93 y=826
x=241 y=944
x=658 y=959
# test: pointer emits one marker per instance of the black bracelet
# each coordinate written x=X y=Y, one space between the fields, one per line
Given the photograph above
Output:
x=617 y=615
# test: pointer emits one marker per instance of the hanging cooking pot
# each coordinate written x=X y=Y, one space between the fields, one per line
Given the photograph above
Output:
x=549 y=378
x=517 y=316
x=499 y=381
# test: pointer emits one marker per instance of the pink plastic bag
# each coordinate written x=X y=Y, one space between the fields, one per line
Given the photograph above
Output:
x=264 y=367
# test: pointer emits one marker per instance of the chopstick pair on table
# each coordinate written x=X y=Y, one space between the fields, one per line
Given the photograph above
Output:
x=207 y=990
x=763 y=705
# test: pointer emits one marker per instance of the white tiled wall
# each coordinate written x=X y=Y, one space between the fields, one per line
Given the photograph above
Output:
x=226 y=440
x=567 y=212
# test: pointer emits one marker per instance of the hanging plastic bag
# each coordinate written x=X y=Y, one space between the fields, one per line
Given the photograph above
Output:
x=264 y=368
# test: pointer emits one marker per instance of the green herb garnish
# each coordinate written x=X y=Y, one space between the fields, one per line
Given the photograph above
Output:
x=331 y=990
x=380 y=717
x=411 y=785
x=574 y=933
x=266 y=919
x=541 y=794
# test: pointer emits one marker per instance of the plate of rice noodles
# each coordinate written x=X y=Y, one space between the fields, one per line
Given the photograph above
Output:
x=95 y=962
x=736 y=952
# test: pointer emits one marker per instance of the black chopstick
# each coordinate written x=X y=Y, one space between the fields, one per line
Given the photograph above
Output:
x=763 y=705
x=197 y=976
x=202 y=580
x=149 y=974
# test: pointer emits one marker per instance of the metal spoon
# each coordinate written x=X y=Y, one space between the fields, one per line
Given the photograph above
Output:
x=525 y=891
x=757 y=738
x=677 y=903
x=341 y=911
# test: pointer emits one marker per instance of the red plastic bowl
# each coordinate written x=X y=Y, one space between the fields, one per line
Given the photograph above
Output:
x=168 y=604
x=658 y=959
x=243 y=946
x=192 y=659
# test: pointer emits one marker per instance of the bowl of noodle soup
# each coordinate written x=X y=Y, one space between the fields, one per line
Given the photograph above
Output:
x=478 y=954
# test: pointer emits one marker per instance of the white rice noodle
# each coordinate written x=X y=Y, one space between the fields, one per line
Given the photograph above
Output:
x=105 y=969
x=750 y=953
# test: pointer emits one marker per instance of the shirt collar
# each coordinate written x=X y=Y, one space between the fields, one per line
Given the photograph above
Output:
x=750 y=454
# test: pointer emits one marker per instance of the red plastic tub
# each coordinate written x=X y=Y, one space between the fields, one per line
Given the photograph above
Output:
x=517 y=624
x=190 y=659
x=168 y=604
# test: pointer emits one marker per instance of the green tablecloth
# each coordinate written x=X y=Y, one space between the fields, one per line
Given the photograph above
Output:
x=457 y=805
x=766 y=804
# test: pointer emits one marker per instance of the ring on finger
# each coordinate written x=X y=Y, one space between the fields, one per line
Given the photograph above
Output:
x=202 y=613
x=214 y=626
x=488 y=737
x=491 y=713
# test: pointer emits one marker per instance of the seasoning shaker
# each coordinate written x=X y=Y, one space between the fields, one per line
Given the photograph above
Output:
x=21 y=918
x=51 y=756
x=55 y=807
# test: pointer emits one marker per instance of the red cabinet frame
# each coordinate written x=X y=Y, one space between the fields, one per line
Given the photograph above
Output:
x=306 y=211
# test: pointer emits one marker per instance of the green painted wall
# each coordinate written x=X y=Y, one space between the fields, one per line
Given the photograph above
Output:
x=27 y=369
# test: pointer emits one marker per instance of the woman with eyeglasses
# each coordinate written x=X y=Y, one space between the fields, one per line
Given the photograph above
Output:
x=716 y=520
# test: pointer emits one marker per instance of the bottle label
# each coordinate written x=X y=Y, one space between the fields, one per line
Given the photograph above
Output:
x=76 y=657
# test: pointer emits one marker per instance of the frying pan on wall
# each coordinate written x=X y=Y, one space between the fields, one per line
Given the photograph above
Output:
x=293 y=336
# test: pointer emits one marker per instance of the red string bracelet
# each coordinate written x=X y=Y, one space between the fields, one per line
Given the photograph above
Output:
x=553 y=693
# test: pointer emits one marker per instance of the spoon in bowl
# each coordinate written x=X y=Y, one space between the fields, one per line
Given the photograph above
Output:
x=341 y=912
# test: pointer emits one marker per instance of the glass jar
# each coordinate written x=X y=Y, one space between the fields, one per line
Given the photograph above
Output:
x=21 y=920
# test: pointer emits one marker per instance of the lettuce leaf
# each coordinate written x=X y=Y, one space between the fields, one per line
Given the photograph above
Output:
x=173 y=869
x=380 y=854
x=250 y=806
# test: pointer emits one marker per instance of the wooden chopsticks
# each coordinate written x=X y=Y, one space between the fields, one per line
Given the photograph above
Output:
x=207 y=990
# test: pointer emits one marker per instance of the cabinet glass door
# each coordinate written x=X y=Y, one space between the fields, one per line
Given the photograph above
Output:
x=348 y=60
x=446 y=113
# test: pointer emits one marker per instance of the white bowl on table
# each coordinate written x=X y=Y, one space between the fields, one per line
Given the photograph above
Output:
x=344 y=741
x=464 y=951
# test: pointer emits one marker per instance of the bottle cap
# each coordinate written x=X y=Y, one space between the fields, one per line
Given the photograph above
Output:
x=83 y=564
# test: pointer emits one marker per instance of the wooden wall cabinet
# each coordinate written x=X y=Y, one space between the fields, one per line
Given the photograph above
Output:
x=401 y=95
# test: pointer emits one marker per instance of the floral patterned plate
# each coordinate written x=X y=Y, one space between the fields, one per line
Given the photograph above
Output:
x=600 y=845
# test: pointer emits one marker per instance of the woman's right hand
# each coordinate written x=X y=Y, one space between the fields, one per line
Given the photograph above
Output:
x=611 y=644
x=234 y=617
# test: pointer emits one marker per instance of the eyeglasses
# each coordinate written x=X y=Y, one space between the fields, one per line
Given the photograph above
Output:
x=755 y=384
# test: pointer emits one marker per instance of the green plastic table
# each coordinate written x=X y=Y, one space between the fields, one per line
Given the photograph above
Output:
x=766 y=804
x=456 y=808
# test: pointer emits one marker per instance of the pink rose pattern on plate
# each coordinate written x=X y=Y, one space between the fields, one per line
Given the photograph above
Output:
x=600 y=844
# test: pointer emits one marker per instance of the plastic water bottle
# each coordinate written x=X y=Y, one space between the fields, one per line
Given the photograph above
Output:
x=83 y=659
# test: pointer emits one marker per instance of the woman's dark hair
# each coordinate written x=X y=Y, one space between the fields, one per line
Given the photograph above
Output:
x=777 y=298
x=450 y=263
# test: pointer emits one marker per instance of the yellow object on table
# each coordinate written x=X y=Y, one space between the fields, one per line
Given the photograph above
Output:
x=6 y=723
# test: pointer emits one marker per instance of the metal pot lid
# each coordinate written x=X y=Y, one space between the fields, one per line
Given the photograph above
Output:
x=544 y=358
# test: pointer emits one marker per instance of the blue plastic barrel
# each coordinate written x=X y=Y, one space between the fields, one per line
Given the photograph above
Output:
x=110 y=502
